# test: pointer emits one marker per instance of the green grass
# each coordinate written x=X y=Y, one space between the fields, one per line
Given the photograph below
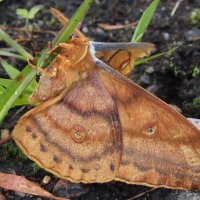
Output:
x=144 y=21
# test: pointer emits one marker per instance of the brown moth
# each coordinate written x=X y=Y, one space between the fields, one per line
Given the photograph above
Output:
x=95 y=125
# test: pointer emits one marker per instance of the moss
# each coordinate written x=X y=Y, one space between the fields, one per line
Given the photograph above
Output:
x=12 y=150
x=35 y=167
x=195 y=17
x=196 y=102
x=196 y=72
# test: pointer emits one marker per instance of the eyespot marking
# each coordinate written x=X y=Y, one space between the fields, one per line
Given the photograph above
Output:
x=150 y=130
x=78 y=133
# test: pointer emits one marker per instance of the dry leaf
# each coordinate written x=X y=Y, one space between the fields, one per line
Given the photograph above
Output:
x=2 y=197
x=21 y=184
x=117 y=26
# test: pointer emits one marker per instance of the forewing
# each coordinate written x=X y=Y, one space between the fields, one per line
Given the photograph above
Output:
x=124 y=57
x=76 y=136
x=160 y=147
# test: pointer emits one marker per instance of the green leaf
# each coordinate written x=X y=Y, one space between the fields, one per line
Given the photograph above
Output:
x=33 y=11
x=2 y=90
x=22 y=100
x=31 y=86
x=10 y=54
x=11 y=71
x=22 y=13
x=144 y=21
x=29 y=89
x=5 y=82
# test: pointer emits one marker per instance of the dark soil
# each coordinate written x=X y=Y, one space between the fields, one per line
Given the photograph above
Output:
x=174 y=78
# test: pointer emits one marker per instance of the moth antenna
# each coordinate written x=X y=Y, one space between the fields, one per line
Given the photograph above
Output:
x=83 y=56
x=104 y=46
x=64 y=20
x=42 y=71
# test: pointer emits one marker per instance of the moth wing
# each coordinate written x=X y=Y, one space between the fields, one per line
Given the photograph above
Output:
x=76 y=136
x=160 y=147
x=123 y=58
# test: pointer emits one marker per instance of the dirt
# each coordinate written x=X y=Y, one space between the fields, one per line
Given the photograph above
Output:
x=174 y=78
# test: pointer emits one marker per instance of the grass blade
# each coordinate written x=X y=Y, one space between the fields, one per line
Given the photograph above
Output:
x=11 y=71
x=14 y=45
x=5 y=82
x=9 y=54
x=2 y=89
x=145 y=60
x=144 y=21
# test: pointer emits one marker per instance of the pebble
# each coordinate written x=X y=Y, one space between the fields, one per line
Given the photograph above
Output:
x=166 y=36
x=152 y=88
x=20 y=194
x=2 y=197
x=196 y=122
x=145 y=78
x=69 y=190
x=85 y=29
x=149 y=70
x=99 y=31
x=4 y=133
x=190 y=34
x=46 y=180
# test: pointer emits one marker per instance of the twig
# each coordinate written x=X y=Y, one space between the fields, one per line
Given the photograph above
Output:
x=24 y=30
x=143 y=193
x=175 y=7
x=117 y=26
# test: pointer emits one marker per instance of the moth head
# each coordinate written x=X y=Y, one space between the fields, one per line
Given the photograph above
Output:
x=75 y=51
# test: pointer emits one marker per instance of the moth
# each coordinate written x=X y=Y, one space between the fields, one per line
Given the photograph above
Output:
x=95 y=125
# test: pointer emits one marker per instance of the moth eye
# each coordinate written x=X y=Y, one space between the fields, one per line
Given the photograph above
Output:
x=78 y=134
x=150 y=130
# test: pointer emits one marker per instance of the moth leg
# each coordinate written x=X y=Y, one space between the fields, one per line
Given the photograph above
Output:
x=42 y=71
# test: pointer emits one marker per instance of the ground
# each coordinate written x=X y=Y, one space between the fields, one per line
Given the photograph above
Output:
x=174 y=78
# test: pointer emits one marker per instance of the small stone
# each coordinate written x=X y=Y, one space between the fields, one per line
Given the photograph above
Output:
x=67 y=189
x=46 y=180
x=191 y=34
x=20 y=194
x=149 y=70
x=166 y=36
x=99 y=31
x=2 y=197
x=85 y=29
x=153 y=89
x=145 y=78
x=175 y=107
x=196 y=122
x=4 y=133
